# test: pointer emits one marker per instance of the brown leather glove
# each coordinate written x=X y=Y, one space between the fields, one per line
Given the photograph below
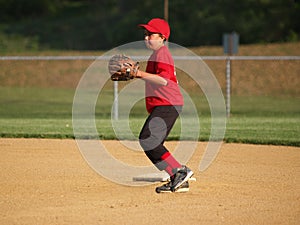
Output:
x=122 y=68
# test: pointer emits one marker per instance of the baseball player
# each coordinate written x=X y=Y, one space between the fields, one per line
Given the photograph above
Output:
x=164 y=103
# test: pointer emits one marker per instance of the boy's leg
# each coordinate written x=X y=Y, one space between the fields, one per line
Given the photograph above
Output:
x=154 y=133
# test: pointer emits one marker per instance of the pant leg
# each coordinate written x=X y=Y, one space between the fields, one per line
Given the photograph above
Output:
x=156 y=130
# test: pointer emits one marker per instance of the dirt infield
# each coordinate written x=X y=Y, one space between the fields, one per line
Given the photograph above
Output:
x=48 y=182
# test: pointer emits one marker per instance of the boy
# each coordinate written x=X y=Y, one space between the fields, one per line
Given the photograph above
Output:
x=164 y=102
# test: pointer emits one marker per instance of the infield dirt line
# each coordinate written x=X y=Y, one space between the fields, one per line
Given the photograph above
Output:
x=47 y=181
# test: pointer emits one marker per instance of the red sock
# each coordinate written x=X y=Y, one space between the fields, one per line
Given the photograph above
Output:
x=171 y=162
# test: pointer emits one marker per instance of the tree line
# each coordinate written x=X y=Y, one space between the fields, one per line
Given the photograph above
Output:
x=102 y=24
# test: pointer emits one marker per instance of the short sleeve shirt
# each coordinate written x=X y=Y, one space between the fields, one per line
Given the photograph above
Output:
x=162 y=64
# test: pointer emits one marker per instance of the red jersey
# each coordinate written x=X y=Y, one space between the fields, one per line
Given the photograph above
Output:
x=162 y=64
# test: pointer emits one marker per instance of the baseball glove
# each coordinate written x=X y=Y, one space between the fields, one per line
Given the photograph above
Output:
x=122 y=68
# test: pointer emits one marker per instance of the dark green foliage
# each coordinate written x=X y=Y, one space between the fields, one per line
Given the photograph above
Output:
x=94 y=25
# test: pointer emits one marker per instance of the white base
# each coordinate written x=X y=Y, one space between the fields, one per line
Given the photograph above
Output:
x=155 y=177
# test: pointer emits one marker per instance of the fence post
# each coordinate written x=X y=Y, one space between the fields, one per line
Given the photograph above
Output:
x=230 y=45
x=228 y=70
x=116 y=101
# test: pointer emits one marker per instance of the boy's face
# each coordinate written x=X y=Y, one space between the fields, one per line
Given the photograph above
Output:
x=153 y=40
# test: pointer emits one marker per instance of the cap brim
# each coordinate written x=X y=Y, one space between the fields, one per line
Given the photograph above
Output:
x=148 y=28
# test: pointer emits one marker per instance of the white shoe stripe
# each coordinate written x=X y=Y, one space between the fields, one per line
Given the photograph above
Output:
x=187 y=177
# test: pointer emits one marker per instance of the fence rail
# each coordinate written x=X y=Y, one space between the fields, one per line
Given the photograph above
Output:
x=3 y=58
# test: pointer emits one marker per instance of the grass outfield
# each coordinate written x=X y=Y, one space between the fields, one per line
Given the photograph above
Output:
x=36 y=97
x=47 y=113
x=256 y=130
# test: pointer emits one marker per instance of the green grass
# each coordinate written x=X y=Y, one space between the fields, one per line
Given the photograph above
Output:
x=255 y=130
x=47 y=113
x=264 y=130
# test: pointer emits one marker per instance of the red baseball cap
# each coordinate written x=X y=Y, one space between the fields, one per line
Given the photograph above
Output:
x=157 y=25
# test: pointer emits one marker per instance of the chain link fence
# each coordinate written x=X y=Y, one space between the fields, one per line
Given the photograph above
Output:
x=238 y=76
